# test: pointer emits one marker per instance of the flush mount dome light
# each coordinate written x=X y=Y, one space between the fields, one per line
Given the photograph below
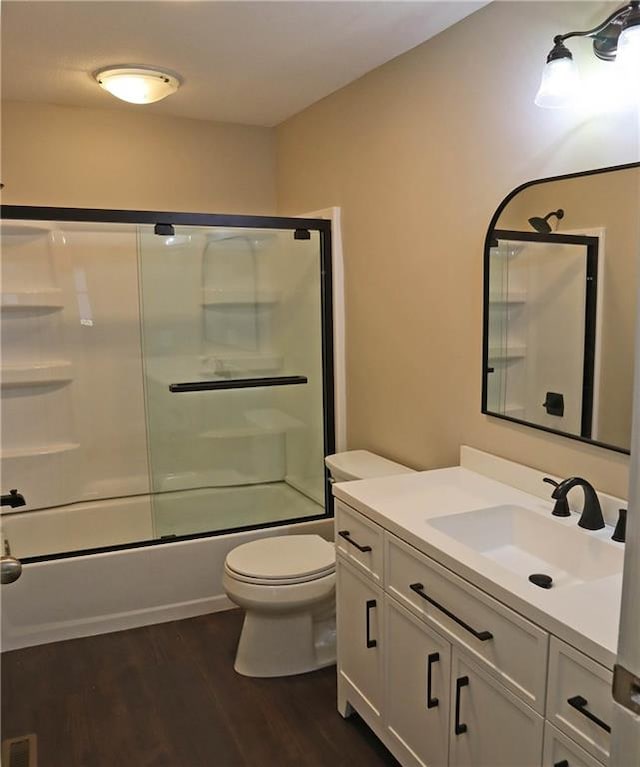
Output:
x=137 y=85
x=617 y=38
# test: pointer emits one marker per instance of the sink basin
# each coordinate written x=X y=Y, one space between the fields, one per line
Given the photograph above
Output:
x=525 y=542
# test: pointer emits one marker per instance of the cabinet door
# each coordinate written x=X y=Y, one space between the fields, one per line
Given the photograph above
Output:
x=359 y=623
x=417 y=674
x=490 y=727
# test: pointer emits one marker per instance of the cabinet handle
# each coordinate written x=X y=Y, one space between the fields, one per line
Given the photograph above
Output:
x=347 y=536
x=459 y=727
x=562 y=763
x=483 y=636
x=580 y=704
x=371 y=603
x=434 y=657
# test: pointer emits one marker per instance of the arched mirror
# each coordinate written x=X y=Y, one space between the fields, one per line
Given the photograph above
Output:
x=560 y=293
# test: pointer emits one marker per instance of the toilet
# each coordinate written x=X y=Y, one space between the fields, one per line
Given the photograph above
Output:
x=286 y=585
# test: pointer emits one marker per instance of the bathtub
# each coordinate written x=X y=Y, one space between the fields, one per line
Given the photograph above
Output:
x=63 y=597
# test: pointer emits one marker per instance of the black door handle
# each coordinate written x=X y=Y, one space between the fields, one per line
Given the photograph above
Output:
x=434 y=657
x=371 y=603
x=347 y=536
x=459 y=727
x=580 y=704
x=483 y=636
x=563 y=763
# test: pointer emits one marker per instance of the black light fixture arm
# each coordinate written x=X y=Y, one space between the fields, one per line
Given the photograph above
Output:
x=633 y=5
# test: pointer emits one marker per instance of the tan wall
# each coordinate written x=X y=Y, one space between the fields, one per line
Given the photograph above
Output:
x=419 y=153
x=70 y=156
x=609 y=201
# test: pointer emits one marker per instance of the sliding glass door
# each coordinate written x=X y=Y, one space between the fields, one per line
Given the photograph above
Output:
x=232 y=337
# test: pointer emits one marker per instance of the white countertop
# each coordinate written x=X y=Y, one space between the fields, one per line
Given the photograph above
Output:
x=586 y=615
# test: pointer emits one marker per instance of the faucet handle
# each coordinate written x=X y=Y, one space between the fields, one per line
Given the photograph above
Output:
x=561 y=509
x=620 y=533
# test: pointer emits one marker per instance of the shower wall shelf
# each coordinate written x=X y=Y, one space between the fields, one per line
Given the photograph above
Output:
x=514 y=297
x=40 y=374
x=224 y=297
x=31 y=299
x=508 y=353
x=236 y=364
x=41 y=450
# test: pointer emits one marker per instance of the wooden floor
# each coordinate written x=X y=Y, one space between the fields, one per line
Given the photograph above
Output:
x=168 y=695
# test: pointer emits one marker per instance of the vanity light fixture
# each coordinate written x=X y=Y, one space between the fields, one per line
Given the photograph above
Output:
x=616 y=39
x=137 y=85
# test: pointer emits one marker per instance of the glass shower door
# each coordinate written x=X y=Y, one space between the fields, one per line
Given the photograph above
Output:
x=232 y=354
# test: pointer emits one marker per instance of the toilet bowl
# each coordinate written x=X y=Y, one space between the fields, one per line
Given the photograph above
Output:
x=286 y=585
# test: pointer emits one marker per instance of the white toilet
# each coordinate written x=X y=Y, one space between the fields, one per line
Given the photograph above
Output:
x=286 y=585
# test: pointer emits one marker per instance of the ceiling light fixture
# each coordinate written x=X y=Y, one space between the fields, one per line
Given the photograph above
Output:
x=137 y=85
x=617 y=39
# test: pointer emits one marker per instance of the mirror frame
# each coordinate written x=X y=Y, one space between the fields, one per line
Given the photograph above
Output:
x=485 y=305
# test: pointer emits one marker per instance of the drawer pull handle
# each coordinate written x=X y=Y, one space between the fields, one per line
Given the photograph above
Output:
x=371 y=603
x=432 y=658
x=460 y=727
x=347 y=536
x=580 y=704
x=562 y=763
x=483 y=636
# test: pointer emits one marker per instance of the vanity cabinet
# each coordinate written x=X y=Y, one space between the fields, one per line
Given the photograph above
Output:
x=448 y=676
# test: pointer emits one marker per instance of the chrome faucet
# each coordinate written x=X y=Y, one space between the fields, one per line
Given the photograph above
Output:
x=591 y=517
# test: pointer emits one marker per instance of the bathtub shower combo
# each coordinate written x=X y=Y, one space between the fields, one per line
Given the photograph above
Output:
x=167 y=392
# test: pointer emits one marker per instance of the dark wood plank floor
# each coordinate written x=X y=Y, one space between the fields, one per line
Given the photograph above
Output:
x=168 y=695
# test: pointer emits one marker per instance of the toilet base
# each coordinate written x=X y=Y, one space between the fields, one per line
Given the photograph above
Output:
x=285 y=644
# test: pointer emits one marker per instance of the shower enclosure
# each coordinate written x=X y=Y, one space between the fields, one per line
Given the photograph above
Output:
x=165 y=376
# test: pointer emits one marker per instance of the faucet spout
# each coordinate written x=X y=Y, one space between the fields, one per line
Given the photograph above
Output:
x=591 y=517
x=13 y=499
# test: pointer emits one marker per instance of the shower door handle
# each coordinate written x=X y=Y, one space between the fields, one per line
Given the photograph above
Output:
x=237 y=383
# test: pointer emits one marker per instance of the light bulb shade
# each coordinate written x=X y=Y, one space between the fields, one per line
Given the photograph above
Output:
x=628 y=55
x=560 y=84
x=137 y=85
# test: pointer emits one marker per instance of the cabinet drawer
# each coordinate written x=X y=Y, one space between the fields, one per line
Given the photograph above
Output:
x=360 y=541
x=579 y=700
x=512 y=648
x=561 y=751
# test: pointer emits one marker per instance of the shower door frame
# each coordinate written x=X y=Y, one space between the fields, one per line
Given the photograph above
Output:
x=240 y=221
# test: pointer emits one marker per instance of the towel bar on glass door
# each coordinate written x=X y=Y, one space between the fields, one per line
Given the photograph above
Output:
x=237 y=383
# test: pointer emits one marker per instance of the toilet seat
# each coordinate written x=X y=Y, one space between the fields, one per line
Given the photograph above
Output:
x=282 y=560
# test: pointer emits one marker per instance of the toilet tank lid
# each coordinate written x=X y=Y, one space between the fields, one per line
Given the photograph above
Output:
x=361 y=464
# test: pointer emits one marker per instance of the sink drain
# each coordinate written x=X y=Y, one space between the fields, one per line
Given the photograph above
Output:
x=542 y=580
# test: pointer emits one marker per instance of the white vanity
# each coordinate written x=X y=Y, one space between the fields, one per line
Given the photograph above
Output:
x=445 y=648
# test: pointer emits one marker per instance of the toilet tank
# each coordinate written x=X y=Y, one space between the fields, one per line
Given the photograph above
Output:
x=361 y=464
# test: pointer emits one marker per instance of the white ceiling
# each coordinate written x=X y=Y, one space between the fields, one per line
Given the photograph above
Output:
x=246 y=62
